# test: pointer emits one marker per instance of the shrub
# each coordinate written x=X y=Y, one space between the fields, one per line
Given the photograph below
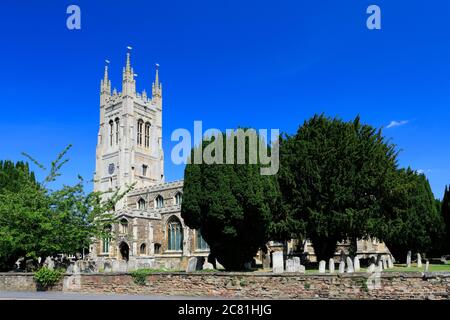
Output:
x=46 y=277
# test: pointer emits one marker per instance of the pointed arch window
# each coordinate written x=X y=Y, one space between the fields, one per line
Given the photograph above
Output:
x=178 y=198
x=140 y=126
x=111 y=132
x=117 y=130
x=141 y=204
x=123 y=226
x=143 y=249
x=200 y=242
x=106 y=240
x=159 y=202
x=147 y=135
x=175 y=235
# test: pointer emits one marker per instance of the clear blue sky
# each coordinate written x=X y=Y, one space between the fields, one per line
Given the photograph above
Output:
x=264 y=64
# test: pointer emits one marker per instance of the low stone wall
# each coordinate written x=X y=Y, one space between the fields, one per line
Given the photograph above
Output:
x=255 y=285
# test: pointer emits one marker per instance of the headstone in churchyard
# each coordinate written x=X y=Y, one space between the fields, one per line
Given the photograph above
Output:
x=427 y=266
x=49 y=263
x=221 y=267
x=341 y=267
x=356 y=264
x=419 y=261
x=350 y=268
x=331 y=265
x=371 y=268
x=192 y=264
x=293 y=264
x=322 y=266
x=208 y=266
x=384 y=263
x=277 y=263
x=390 y=262
x=302 y=269
x=290 y=265
x=408 y=260
x=380 y=266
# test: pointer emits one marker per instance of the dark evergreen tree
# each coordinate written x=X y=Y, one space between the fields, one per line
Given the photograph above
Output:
x=412 y=222
x=233 y=205
x=333 y=175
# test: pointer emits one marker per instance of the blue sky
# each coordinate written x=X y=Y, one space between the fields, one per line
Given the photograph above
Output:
x=264 y=64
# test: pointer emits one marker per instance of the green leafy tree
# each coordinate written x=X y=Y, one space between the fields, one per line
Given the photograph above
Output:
x=333 y=175
x=233 y=205
x=36 y=221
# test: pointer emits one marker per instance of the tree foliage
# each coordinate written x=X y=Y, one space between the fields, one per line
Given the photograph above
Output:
x=233 y=206
x=410 y=220
x=333 y=175
x=36 y=221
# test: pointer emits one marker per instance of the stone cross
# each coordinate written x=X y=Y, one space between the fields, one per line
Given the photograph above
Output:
x=356 y=264
x=419 y=261
x=331 y=265
x=277 y=262
x=408 y=260
x=341 y=267
x=350 y=268
x=322 y=266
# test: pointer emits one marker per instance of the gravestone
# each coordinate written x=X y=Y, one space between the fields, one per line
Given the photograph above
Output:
x=221 y=267
x=208 y=266
x=341 y=267
x=408 y=260
x=331 y=265
x=293 y=265
x=427 y=266
x=390 y=262
x=49 y=263
x=277 y=263
x=419 y=261
x=356 y=264
x=302 y=269
x=192 y=264
x=371 y=268
x=322 y=266
x=384 y=263
x=107 y=266
x=350 y=268
x=380 y=266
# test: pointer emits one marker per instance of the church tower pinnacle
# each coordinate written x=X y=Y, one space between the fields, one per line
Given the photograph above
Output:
x=157 y=86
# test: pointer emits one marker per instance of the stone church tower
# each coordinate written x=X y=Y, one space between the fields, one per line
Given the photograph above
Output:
x=129 y=145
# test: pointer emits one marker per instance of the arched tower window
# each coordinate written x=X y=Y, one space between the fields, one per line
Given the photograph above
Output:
x=200 y=243
x=123 y=226
x=106 y=240
x=178 y=198
x=143 y=249
x=111 y=132
x=147 y=135
x=141 y=204
x=159 y=202
x=117 y=130
x=140 y=126
x=174 y=234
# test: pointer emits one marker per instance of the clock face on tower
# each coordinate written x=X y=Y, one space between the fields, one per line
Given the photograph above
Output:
x=111 y=168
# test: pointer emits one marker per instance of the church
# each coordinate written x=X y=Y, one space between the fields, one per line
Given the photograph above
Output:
x=149 y=232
